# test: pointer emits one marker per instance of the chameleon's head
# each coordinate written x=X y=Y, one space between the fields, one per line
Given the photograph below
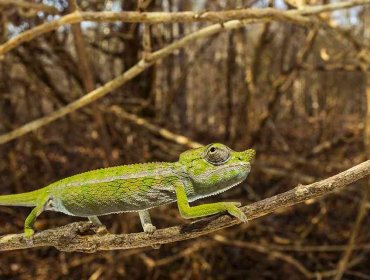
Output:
x=216 y=168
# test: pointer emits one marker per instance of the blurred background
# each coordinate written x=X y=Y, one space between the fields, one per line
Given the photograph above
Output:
x=296 y=94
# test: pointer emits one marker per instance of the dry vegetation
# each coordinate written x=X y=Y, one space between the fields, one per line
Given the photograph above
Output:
x=291 y=79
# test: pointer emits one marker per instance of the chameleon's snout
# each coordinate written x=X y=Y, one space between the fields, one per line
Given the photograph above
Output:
x=247 y=155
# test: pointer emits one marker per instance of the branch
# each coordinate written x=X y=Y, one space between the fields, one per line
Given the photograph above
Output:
x=295 y=15
x=27 y=5
x=164 y=133
x=77 y=237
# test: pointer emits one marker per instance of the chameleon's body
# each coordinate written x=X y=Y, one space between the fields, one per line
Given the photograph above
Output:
x=198 y=173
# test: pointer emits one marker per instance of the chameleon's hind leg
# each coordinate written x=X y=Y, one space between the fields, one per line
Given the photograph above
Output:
x=146 y=222
x=96 y=222
x=31 y=218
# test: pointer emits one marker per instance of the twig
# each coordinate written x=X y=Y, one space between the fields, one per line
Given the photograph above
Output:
x=29 y=5
x=166 y=134
x=343 y=263
x=318 y=248
x=76 y=237
x=86 y=75
x=265 y=250
x=295 y=15
x=179 y=255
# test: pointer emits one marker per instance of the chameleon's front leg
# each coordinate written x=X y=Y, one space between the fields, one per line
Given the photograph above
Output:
x=188 y=211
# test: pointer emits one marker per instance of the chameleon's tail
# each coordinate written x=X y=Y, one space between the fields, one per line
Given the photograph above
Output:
x=22 y=199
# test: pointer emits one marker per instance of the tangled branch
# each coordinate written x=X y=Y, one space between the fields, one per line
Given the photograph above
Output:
x=295 y=15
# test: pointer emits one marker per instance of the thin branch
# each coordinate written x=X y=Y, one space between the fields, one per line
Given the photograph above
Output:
x=76 y=237
x=189 y=251
x=295 y=15
x=29 y=5
x=343 y=263
x=165 y=133
x=318 y=248
x=265 y=250
x=87 y=78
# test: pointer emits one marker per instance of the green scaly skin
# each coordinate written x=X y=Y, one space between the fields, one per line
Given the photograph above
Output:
x=198 y=173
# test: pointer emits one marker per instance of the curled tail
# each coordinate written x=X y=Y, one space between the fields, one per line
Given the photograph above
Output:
x=22 y=199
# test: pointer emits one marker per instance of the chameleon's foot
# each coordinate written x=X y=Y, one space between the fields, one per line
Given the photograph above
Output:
x=101 y=230
x=232 y=209
x=149 y=228
x=28 y=235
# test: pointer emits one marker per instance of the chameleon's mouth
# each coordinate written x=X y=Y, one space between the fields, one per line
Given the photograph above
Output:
x=233 y=181
x=223 y=190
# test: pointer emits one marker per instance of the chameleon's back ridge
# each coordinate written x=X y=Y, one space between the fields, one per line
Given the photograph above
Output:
x=199 y=173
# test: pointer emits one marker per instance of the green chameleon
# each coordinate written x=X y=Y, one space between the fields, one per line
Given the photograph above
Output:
x=198 y=173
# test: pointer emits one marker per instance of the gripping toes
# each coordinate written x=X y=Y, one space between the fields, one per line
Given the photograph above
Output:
x=232 y=209
x=149 y=228
x=28 y=235
x=102 y=230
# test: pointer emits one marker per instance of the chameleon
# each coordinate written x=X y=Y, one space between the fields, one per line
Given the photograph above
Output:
x=198 y=173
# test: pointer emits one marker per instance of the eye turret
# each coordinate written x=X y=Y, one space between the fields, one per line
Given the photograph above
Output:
x=217 y=155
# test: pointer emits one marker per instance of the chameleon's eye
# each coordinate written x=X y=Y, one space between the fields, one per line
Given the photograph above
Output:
x=217 y=155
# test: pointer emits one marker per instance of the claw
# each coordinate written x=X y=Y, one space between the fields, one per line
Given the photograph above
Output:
x=102 y=230
x=236 y=212
x=149 y=228
x=28 y=235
